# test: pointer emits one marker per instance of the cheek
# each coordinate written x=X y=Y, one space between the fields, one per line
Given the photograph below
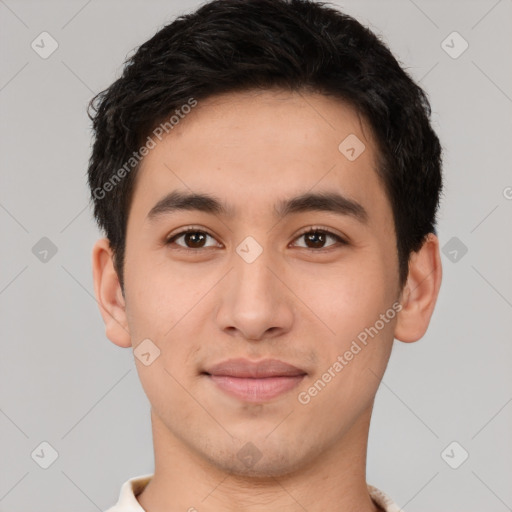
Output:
x=157 y=303
x=158 y=294
x=345 y=298
x=354 y=358
x=355 y=339
x=163 y=304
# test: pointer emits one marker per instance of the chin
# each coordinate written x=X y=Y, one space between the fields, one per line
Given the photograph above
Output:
x=265 y=468
x=261 y=458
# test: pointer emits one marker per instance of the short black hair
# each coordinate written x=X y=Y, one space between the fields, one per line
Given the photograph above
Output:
x=295 y=45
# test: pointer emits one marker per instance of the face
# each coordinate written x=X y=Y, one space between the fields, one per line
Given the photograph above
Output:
x=264 y=273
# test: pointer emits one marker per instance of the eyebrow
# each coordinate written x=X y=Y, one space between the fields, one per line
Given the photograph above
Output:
x=307 y=202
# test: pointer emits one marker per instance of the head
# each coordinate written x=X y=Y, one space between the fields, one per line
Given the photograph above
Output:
x=253 y=123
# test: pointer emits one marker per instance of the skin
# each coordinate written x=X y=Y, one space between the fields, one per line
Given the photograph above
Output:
x=303 y=307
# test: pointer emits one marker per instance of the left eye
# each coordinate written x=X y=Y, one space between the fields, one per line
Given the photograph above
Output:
x=318 y=237
x=195 y=239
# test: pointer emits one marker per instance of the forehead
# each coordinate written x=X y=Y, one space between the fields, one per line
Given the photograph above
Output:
x=256 y=148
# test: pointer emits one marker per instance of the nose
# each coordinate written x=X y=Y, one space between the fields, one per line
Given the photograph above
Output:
x=255 y=304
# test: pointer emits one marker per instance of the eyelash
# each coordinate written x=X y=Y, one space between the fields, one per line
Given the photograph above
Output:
x=315 y=229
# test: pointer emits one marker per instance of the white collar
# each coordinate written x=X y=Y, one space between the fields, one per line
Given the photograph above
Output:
x=131 y=488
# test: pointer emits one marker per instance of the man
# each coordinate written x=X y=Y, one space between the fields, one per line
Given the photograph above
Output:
x=267 y=179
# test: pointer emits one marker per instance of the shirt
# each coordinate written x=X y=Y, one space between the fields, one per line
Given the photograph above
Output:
x=131 y=488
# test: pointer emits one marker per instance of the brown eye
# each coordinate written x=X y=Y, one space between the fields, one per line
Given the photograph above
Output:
x=192 y=239
x=316 y=239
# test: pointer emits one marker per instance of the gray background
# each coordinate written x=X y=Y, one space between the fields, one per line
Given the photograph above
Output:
x=64 y=383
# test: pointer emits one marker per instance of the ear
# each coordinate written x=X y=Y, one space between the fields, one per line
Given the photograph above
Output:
x=109 y=294
x=420 y=292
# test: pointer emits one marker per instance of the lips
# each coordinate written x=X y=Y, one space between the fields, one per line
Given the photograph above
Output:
x=251 y=381
x=244 y=368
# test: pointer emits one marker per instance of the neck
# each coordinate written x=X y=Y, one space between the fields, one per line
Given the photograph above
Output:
x=184 y=480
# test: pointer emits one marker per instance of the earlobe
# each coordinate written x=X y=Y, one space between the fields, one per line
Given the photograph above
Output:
x=420 y=292
x=109 y=294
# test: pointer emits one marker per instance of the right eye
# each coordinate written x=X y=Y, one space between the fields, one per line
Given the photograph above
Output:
x=193 y=239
